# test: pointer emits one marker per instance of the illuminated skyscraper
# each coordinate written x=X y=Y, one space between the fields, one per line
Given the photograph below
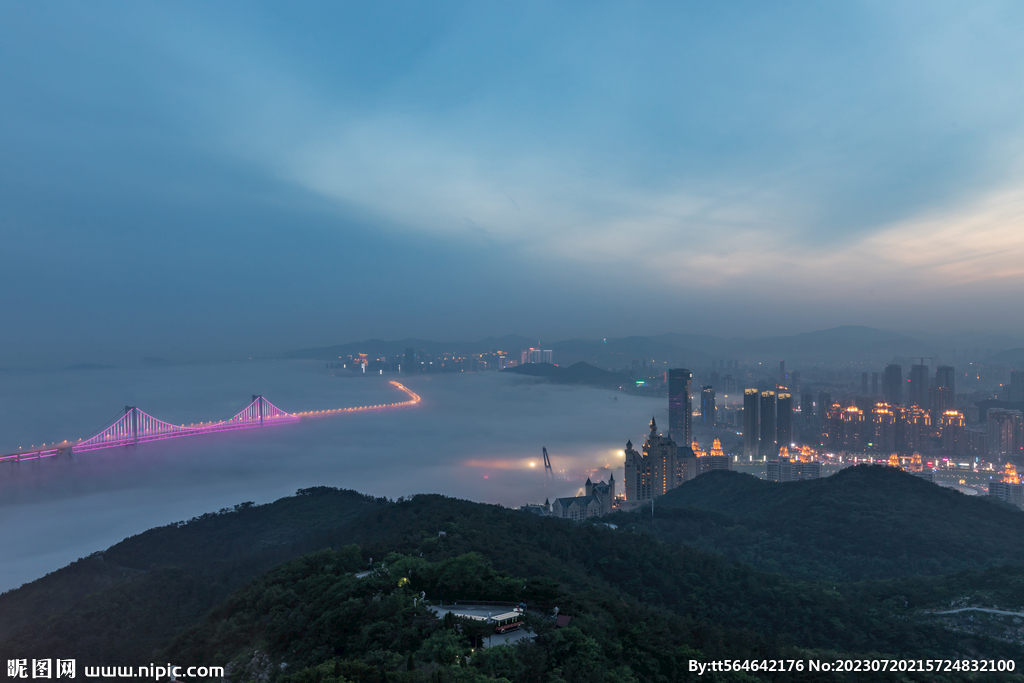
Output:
x=832 y=428
x=851 y=430
x=918 y=394
x=893 y=385
x=707 y=406
x=715 y=459
x=1009 y=489
x=784 y=420
x=768 y=446
x=918 y=429
x=1004 y=432
x=750 y=424
x=680 y=407
x=883 y=428
x=952 y=426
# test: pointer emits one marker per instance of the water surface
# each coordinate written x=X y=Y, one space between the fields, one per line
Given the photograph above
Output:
x=474 y=435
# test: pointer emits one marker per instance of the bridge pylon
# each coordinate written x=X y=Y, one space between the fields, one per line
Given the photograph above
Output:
x=132 y=412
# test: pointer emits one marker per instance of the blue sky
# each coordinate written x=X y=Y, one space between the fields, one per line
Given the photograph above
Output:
x=200 y=179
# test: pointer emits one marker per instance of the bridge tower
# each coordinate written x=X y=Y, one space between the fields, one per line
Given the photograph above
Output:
x=259 y=401
x=134 y=422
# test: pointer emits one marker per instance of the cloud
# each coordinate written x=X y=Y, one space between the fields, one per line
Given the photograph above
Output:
x=617 y=164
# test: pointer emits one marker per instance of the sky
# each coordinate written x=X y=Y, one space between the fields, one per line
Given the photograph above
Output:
x=216 y=180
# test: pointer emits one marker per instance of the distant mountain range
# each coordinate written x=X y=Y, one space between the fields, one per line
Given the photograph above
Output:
x=835 y=345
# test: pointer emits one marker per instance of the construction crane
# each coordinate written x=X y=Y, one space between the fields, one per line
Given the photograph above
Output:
x=921 y=358
x=547 y=463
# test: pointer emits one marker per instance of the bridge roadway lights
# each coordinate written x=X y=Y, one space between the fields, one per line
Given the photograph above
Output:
x=136 y=425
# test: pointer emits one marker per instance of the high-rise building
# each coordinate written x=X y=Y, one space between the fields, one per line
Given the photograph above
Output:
x=716 y=459
x=832 y=428
x=792 y=468
x=1016 y=386
x=893 y=385
x=1004 y=432
x=768 y=445
x=806 y=407
x=680 y=407
x=784 y=419
x=1010 y=488
x=824 y=403
x=883 y=428
x=945 y=377
x=751 y=424
x=794 y=382
x=952 y=429
x=940 y=399
x=782 y=374
x=532 y=355
x=707 y=406
x=638 y=476
x=409 y=366
x=918 y=430
x=851 y=430
x=660 y=467
x=918 y=394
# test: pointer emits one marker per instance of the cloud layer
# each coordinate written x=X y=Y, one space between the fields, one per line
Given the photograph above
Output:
x=475 y=170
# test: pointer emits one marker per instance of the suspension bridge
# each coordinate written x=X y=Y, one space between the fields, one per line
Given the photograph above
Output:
x=136 y=426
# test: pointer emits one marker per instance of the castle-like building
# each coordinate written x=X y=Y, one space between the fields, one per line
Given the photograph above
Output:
x=598 y=500
x=716 y=459
x=660 y=467
x=800 y=466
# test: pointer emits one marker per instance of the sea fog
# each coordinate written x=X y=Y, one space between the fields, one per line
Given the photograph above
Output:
x=474 y=435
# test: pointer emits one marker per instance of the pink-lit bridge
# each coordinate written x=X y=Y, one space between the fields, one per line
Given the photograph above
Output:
x=137 y=426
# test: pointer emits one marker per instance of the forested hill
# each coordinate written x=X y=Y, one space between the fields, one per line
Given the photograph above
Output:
x=207 y=558
x=221 y=589
x=578 y=373
x=864 y=522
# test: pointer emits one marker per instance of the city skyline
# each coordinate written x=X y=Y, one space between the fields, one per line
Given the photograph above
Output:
x=233 y=180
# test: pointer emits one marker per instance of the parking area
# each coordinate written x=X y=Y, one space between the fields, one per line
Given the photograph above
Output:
x=483 y=612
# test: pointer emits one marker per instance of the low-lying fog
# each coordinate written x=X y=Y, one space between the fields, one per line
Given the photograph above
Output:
x=474 y=436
